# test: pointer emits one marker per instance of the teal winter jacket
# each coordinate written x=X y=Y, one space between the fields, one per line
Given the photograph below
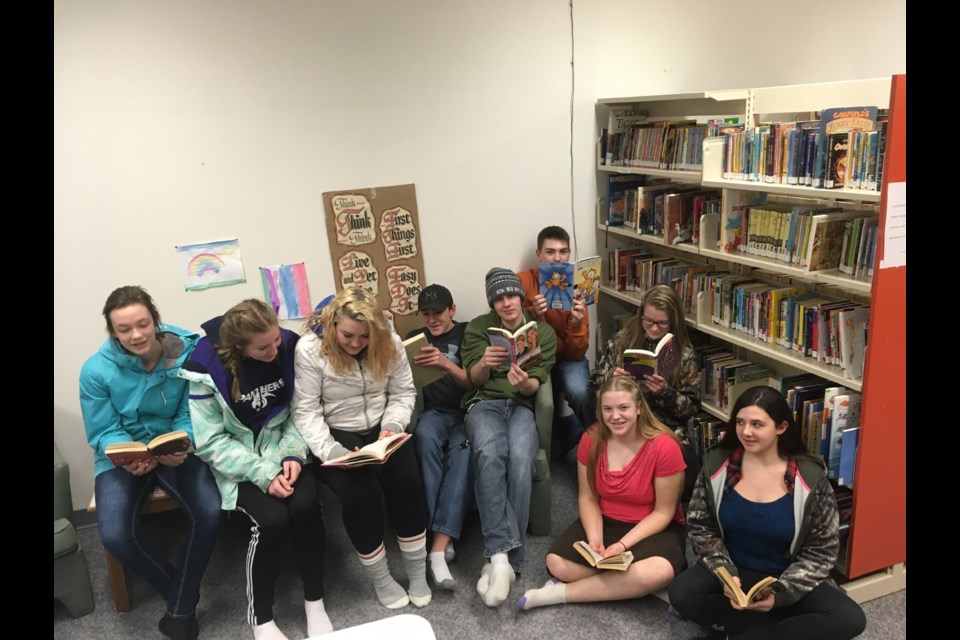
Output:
x=121 y=401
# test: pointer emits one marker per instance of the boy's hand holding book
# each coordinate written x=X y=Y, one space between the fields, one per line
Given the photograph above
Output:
x=495 y=356
x=538 y=306
x=430 y=356
x=518 y=378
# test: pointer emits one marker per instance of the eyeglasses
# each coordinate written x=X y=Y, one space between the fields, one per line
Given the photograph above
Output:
x=647 y=322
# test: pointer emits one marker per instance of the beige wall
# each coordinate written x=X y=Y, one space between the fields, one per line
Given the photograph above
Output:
x=196 y=120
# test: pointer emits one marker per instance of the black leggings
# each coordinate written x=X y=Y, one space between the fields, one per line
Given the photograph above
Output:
x=363 y=491
x=826 y=613
x=277 y=522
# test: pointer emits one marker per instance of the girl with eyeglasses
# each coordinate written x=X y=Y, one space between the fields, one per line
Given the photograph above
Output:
x=676 y=398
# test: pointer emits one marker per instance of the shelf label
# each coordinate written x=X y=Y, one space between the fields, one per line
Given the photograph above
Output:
x=895 y=227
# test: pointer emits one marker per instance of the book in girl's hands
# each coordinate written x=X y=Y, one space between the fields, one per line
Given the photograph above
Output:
x=123 y=453
x=422 y=376
x=661 y=361
x=373 y=453
x=756 y=592
x=619 y=562
x=522 y=345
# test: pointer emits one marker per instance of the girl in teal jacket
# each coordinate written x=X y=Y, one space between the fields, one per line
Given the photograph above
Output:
x=130 y=391
x=241 y=384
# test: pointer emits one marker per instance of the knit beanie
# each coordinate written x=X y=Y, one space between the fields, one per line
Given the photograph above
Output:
x=502 y=282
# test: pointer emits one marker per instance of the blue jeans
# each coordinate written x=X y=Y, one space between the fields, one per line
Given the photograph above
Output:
x=572 y=379
x=445 y=486
x=120 y=496
x=503 y=438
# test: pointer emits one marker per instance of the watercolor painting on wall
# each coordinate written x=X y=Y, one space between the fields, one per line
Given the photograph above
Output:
x=210 y=264
x=285 y=289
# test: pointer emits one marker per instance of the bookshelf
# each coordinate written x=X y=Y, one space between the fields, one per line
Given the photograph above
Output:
x=875 y=554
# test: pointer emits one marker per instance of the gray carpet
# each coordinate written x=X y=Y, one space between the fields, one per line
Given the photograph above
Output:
x=350 y=600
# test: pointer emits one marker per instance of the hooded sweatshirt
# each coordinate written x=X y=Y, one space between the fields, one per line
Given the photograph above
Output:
x=121 y=401
x=237 y=452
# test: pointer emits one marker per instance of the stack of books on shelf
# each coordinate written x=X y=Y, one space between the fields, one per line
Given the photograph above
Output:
x=705 y=430
x=631 y=140
x=826 y=330
x=810 y=237
x=843 y=149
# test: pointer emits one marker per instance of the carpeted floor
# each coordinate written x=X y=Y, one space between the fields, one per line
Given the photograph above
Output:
x=350 y=600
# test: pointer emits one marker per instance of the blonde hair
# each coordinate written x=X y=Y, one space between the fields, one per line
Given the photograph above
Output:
x=648 y=426
x=241 y=323
x=662 y=298
x=357 y=304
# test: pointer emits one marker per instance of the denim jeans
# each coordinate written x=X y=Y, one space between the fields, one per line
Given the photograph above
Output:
x=120 y=496
x=503 y=439
x=572 y=379
x=446 y=484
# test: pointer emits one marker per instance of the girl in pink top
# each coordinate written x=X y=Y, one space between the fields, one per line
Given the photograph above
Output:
x=631 y=474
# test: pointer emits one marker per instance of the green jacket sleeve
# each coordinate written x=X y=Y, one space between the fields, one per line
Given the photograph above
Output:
x=225 y=454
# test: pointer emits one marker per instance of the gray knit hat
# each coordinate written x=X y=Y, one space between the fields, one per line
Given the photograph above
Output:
x=502 y=282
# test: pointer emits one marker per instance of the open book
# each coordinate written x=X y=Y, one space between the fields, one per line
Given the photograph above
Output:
x=373 y=453
x=662 y=360
x=756 y=592
x=123 y=453
x=619 y=562
x=523 y=345
x=561 y=282
x=422 y=376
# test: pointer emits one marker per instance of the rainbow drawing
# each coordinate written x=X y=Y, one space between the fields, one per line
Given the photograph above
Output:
x=204 y=263
x=285 y=289
x=210 y=264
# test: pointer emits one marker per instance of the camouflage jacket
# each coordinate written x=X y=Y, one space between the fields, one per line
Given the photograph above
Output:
x=677 y=403
x=815 y=544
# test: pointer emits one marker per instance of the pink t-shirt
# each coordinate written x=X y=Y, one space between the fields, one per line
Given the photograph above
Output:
x=628 y=495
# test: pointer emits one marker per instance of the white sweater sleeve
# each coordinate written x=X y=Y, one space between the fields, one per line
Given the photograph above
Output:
x=401 y=392
x=307 y=402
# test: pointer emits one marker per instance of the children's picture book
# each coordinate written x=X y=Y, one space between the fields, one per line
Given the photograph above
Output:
x=422 y=376
x=563 y=282
x=619 y=562
x=835 y=124
x=123 y=453
x=756 y=592
x=373 y=453
x=556 y=284
x=523 y=345
x=586 y=279
x=845 y=119
x=661 y=361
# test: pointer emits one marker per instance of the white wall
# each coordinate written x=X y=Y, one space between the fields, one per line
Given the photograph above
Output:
x=195 y=120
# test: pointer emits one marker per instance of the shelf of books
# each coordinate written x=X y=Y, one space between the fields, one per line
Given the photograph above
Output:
x=777 y=251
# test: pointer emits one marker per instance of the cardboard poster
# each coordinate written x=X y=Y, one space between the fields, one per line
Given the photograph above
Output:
x=374 y=237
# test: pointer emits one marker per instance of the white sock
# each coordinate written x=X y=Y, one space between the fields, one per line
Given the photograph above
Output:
x=440 y=572
x=414 y=552
x=268 y=631
x=389 y=593
x=553 y=592
x=449 y=554
x=495 y=580
x=318 y=622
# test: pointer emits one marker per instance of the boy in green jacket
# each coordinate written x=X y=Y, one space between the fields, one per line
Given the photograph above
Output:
x=502 y=430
